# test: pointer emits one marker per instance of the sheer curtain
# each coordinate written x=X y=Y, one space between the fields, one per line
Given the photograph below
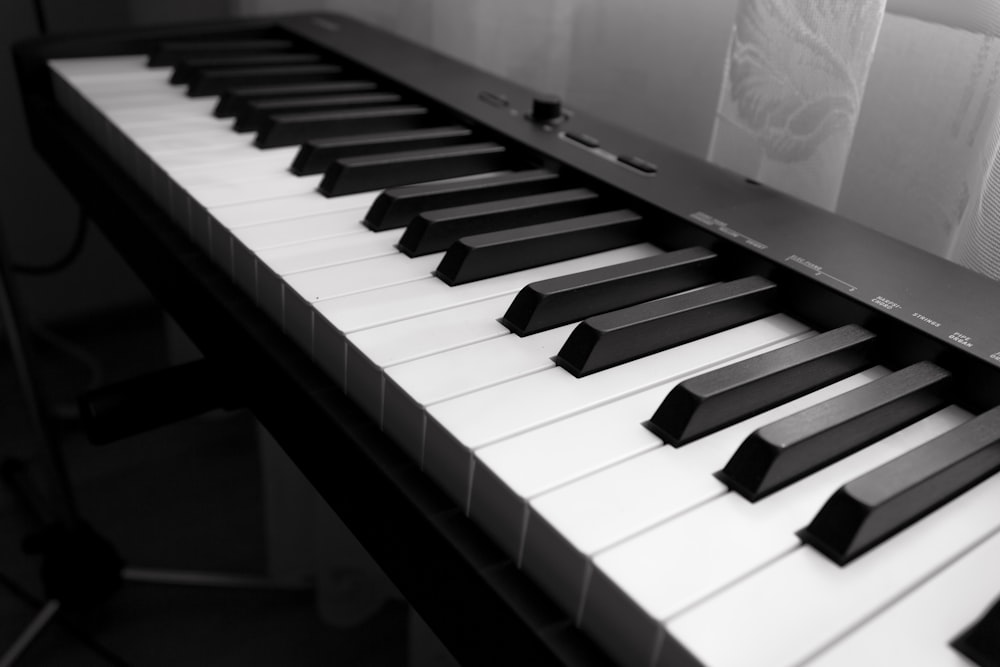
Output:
x=924 y=159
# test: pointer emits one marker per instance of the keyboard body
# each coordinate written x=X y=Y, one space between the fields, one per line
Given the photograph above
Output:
x=474 y=594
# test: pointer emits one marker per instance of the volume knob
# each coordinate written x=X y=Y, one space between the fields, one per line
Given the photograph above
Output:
x=546 y=109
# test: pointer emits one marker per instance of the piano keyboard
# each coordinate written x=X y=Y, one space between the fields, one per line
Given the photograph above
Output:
x=696 y=465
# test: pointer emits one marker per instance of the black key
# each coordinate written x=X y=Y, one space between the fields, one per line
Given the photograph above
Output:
x=316 y=155
x=297 y=128
x=724 y=396
x=216 y=81
x=551 y=303
x=372 y=172
x=868 y=510
x=254 y=113
x=615 y=338
x=234 y=100
x=787 y=450
x=487 y=255
x=168 y=54
x=434 y=231
x=186 y=69
x=397 y=207
x=981 y=642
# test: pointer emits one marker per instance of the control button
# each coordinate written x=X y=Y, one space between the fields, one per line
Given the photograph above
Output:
x=638 y=163
x=546 y=109
x=585 y=139
x=495 y=99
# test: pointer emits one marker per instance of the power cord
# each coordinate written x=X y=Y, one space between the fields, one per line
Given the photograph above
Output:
x=92 y=365
x=70 y=256
x=43 y=25
x=80 y=234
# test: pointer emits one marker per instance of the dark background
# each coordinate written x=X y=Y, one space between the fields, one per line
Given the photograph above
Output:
x=38 y=215
x=184 y=497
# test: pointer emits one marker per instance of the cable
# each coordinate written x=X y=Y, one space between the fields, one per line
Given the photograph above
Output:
x=80 y=234
x=67 y=410
x=43 y=26
x=74 y=351
x=75 y=248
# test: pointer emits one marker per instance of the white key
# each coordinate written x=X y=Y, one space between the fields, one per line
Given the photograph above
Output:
x=165 y=113
x=291 y=299
x=277 y=182
x=209 y=156
x=246 y=243
x=569 y=525
x=209 y=131
x=126 y=84
x=218 y=225
x=365 y=354
x=234 y=166
x=640 y=583
x=287 y=208
x=275 y=268
x=458 y=427
x=173 y=169
x=308 y=228
x=439 y=377
x=232 y=184
x=84 y=69
x=410 y=388
x=917 y=631
x=132 y=98
x=158 y=139
x=508 y=473
x=315 y=254
x=798 y=605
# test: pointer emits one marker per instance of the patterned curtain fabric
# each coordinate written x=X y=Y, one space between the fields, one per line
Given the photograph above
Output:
x=886 y=111
x=794 y=78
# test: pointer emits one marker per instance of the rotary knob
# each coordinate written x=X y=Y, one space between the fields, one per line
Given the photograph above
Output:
x=546 y=109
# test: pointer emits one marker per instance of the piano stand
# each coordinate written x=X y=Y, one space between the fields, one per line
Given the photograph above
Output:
x=80 y=569
x=155 y=399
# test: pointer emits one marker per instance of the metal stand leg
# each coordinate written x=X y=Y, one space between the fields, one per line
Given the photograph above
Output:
x=207 y=579
x=80 y=567
x=63 y=504
x=35 y=627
